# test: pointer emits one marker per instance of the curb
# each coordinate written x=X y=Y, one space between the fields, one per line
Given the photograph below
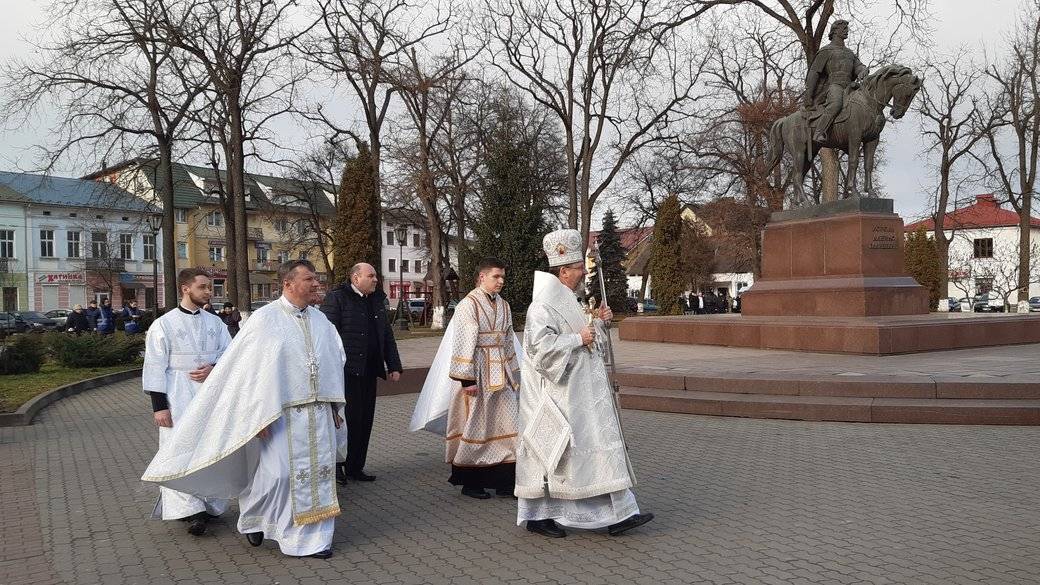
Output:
x=24 y=415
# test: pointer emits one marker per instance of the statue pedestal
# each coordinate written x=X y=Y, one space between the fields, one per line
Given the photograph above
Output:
x=837 y=259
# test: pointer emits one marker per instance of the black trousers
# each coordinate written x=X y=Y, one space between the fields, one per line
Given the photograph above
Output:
x=360 y=411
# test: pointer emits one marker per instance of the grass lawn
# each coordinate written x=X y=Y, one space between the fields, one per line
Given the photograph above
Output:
x=16 y=390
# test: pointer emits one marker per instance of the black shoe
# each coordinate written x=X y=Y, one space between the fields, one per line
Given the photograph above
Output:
x=477 y=493
x=341 y=475
x=629 y=523
x=361 y=476
x=323 y=554
x=546 y=528
x=506 y=493
x=255 y=538
x=197 y=527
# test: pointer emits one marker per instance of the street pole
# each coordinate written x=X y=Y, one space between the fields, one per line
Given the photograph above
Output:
x=402 y=309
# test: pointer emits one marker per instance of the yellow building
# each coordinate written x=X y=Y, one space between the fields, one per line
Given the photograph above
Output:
x=285 y=218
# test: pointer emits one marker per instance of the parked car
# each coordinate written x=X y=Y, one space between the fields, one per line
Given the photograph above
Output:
x=954 y=304
x=11 y=324
x=37 y=321
x=416 y=307
x=1034 y=305
x=988 y=303
x=257 y=304
x=649 y=306
x=59 y=315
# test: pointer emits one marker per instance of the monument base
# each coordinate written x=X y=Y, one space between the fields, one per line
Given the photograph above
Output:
x=882 y=335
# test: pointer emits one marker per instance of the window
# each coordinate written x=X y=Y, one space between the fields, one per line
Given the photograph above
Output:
x=404 y=266
x=283 y=257
x=983 y=247
x=983 y=285
x=98 y=245
x=46 y=243
x=180 y=215
x=418 y=266
x=261 y=254
x=301 y=227
x=415 y=240
x=303 y=255
x=215 y=219
x=6 y=243
x=392 y=265
x=126 y=246
x=149 y=246
x=182 y=249
x=73 y=240
x=218 y=287
x=216 y=254
x=390 y=237
x=281 y=224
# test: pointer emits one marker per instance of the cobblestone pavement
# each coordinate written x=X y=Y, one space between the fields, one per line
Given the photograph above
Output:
x=737 y=501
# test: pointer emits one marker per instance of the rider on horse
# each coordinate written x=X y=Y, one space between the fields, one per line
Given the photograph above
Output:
x=835 y=69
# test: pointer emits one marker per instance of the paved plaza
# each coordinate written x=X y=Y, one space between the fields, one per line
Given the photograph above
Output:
x=737 y=501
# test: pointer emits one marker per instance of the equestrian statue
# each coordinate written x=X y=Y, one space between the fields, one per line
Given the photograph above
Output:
x=844 y=110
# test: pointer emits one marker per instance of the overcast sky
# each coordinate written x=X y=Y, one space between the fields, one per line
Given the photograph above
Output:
x=976 y=24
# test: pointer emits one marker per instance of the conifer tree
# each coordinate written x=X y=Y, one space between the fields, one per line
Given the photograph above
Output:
x=612 y=255
x=922 y=262
x=356 y=228
x=667 y=278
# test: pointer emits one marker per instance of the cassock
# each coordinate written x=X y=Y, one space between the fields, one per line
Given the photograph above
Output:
x=572 y=465
x=480 y=431
x=177 y=343
x=282 y=372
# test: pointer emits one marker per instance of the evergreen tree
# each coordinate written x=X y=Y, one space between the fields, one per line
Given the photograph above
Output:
x=612 y=254
x=667 y=278
x=356 y=226
x=922 y=262
x=509 y=221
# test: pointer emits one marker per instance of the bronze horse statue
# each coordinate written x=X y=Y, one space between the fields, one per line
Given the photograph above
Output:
x=859 y=124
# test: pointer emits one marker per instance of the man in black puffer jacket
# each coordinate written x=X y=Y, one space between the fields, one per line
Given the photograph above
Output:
x=358 y=310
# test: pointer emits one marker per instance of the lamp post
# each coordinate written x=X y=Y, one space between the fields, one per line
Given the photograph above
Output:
x=155 y=223
x=401 y=231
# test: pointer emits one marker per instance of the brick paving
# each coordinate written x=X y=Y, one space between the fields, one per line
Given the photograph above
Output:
x=737 y=500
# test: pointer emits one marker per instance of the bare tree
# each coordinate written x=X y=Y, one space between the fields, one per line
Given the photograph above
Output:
x=247 y=52
x=953 y=125
x=1013 y=128
x=999 y=274
x=121 y=90
x=619 y=76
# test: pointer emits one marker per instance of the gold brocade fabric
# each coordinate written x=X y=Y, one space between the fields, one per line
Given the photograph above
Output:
x=482 y=429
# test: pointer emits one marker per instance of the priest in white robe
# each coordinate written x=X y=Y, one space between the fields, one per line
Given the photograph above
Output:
x=181 y=349
x=470 y=394
x=572 y=465
x=263 y=427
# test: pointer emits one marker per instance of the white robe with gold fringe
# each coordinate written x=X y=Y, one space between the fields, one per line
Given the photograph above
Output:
x=284 y=372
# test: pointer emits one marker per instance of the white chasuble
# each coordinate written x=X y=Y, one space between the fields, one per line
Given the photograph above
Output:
x=284 y=372
x=176 y=344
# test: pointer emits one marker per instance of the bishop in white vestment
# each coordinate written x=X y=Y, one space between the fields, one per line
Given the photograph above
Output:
x=572 y=466
x=180 y=350
x=263 y=428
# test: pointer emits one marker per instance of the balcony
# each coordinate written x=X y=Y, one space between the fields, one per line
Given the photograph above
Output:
x=7 y=265
x=268 y=265
x=106 y=264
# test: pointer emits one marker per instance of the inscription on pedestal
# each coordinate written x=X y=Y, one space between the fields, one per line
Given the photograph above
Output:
x=883 y=238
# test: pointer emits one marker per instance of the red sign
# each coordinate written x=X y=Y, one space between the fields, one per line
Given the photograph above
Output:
x=62 y=278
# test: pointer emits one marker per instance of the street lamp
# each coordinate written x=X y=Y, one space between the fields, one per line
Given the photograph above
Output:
x=155 y=223
x=401 y=231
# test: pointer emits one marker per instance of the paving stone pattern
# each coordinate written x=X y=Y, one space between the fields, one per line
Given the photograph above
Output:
x=737 y=501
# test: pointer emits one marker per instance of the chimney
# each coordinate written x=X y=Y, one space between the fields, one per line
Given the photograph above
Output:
x=986 y=200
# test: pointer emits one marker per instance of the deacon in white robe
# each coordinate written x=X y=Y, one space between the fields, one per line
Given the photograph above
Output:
x=263 y=427
x=180 y=350
x=572 y=466
x=474 y=381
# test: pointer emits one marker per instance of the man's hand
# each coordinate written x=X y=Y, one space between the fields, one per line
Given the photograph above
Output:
x=200 y=374
x=470 y=390
x=337 y=419
x=264 y=433
x=163 y=418
x=605 y=314
x=588 y=335
x=395 y=376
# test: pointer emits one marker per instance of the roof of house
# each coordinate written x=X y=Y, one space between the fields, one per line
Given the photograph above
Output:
x=630 y=237
x=986 y=212
x=263 y=190
x=70 y=192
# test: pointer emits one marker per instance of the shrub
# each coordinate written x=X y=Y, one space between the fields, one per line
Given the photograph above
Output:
x=23 y=354
x=91 y=351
